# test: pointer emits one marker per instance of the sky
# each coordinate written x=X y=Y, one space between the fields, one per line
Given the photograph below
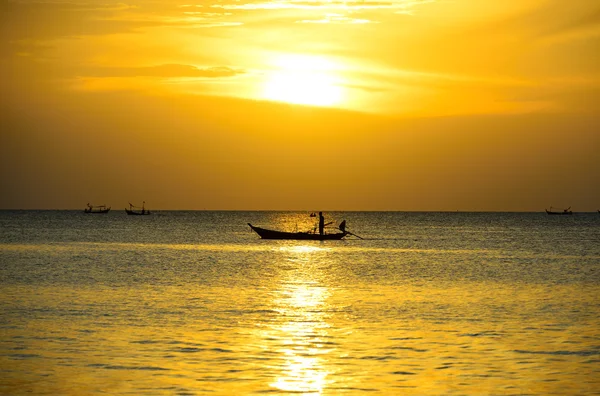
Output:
x=409 y=105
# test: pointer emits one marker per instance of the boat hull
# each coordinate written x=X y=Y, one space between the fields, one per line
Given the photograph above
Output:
x=300 y=236
x=135 y=213
x=559 y=213
x=94 y=211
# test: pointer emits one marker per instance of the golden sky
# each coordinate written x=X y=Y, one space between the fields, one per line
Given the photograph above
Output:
x=301 y=105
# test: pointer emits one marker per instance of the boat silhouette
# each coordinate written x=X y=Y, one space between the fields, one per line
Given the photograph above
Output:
x=136 y=210
x=566 y=211
x=98 y=209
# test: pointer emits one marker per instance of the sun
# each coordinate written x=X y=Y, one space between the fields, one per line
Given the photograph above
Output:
x=302 y=79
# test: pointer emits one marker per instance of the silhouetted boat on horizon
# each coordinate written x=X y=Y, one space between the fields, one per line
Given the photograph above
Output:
x=302 y=235
x=564 y=211
x=133 y=212
x=96 y=209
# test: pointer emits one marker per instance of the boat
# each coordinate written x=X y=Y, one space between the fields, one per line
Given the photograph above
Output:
x=96 y=209
x=140 y=212
x=564 y=211
x=306 y=235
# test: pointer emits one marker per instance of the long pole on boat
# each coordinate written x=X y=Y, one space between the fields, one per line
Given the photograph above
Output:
x=359 y=237
x=348 y=232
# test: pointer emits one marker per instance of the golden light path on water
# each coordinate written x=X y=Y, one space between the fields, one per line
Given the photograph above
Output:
x=302 y=302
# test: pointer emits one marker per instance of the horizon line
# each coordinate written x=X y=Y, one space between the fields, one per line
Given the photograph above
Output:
x=305 y=210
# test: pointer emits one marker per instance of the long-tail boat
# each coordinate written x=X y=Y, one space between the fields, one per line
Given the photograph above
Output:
x=132 y=210
x=564 y=211
x=96 y=209
x=303 y=235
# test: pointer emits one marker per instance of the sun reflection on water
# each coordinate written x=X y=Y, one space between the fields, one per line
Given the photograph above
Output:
x=302 y=251
x=301 y=330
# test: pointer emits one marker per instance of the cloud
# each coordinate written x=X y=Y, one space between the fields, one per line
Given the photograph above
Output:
x=40 y=20
x=337 y=19
x=161 y=71
x=53 y=71
x=49 y=20
x=550 y=19
x=22 y=48
x=310 y=4
x=580 y=27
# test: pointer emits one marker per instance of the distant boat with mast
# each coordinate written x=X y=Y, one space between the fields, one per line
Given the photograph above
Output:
x=136 y=210
x=98 y=209
x=566 y=211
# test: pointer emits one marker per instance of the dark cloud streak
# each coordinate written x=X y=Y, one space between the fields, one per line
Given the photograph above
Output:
x=165 y=71
x=47 y=21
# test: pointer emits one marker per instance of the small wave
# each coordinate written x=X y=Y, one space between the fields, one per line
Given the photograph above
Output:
x=65 y=339
x=290 y=391
x=24 y=356
x=481 y=334
x=221 y=350
x=189 y=350
x=118 y=367
x=351 y=388
x=325 y=343
x=561 y=353
x=388 y=357
x=264 y=311
x=145 y=342
x=222 y=379
x=410 y=349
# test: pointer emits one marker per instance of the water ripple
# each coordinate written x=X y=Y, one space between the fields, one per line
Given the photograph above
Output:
x=118 y=367
x=567 y=353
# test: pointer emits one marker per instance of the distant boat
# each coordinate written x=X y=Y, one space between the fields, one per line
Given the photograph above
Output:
x=96 y=209
x=139 y=212
x=306 y=235
x=564 y=211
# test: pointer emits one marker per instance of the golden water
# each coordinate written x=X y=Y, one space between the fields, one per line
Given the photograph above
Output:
x=436 y=306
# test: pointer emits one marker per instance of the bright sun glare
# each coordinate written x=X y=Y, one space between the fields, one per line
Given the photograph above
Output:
x=302 y=79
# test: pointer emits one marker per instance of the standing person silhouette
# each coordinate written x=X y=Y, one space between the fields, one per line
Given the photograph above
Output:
x=321 y=223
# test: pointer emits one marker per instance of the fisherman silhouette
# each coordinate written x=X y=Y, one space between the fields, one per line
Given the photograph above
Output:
x=321 y=223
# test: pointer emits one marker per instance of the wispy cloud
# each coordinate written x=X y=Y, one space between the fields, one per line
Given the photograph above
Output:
x=163 y=71
x=579 y=28
x=39 y=19
x=549 y=20
x=337 y=19
x=322 y=5
x=48 y=20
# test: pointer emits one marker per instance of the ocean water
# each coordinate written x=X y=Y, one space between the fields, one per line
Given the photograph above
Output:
x=193 y=303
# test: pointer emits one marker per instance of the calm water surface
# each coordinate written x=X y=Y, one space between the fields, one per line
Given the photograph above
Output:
x=190 y=303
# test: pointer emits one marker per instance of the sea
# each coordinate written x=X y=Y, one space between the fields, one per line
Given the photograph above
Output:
x=195 y=303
